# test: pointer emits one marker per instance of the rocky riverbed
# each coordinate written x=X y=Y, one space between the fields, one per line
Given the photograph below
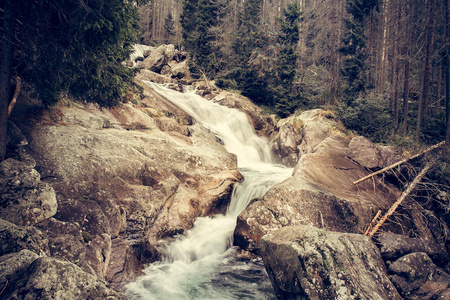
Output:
x=88 y=195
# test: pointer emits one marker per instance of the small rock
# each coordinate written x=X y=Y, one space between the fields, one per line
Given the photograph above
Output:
x=394 y=246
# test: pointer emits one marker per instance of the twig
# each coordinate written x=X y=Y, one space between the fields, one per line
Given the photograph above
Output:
x=402 y=197
x=16 y=94
x=398 y=163
x=3 y=289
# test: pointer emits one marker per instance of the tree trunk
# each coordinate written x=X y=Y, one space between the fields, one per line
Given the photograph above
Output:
x=438 y=91
x=425 y=74
x=447 y=82
x=405 y=52
x=7 y=53
x=406 y=97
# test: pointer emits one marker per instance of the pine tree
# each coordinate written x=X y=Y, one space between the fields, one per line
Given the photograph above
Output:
x=286 y=97
x=353 y=50
x=196 y=20
x=240 y=75
x=67 y=46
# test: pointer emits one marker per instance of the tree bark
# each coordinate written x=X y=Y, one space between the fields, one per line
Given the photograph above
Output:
x=446 y=63
x=406 y=97
x=425 y=74
x=7 y=54
x=405 y=51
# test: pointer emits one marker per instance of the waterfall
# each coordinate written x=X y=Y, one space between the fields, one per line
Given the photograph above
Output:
x=202 y=264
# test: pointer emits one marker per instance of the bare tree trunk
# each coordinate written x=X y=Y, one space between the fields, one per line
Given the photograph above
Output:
x=384 y=39
x=405 y=52
x=7 y=53
x=439 y=90
x=447 y=82
x=406 y=97
x=421 y=113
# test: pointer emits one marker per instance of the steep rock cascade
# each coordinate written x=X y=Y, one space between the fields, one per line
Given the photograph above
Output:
x=202 y=264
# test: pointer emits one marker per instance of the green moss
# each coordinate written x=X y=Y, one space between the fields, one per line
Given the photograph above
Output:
x=87 y=237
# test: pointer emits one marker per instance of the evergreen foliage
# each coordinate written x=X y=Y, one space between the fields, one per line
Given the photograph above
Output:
x=266 y=59
x=239 y=75
x=354 y=41
x=76 y=47
x=198 y=17
x=286 y=96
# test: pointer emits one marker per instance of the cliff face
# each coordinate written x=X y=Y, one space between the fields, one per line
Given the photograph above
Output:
x=156 y=15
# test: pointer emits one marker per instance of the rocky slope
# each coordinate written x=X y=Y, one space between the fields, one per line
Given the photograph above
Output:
x=89 y=194
x=97 y=189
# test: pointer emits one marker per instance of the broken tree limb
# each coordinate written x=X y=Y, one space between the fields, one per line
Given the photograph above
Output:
x=398 y=163
x=369 y=228
x=402 y=196
x=16 y=94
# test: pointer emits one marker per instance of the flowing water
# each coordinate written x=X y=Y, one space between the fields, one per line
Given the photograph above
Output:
x=202 y=264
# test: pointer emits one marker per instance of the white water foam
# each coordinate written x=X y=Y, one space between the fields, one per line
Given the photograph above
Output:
x=192 y=266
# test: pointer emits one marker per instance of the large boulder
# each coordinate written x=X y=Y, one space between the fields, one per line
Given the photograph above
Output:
x=305 y=262
x=24 y=199
x=179 y=70
x=13 y=263
x=50 y=278
x=416 y=277
x=393 y=246
x=286 y=141
x=320 y=193
x=370 y=155
x=141 y=171
x=159 y=57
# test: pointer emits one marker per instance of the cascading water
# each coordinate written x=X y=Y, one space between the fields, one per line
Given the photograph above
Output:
x=202 y=264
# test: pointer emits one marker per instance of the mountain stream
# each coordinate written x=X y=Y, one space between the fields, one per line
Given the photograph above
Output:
x=202 y=264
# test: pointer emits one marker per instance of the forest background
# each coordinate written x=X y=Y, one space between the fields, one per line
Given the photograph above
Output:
x=383 y=65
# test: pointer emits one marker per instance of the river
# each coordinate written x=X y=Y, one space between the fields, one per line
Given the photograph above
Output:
x=202 y=264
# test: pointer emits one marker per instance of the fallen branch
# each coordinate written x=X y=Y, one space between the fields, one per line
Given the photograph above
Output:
x=16 y=94
x=3 y=289
x=370 y=226
x=402 y=197
x=398 y=163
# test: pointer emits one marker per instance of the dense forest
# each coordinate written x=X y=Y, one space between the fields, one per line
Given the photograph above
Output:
x=382 y=64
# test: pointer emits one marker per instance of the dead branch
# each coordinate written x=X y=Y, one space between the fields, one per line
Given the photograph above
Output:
x=3 y=289
x=16 y=94
x=370 y=226
x=398 y=163
x=402 y=197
